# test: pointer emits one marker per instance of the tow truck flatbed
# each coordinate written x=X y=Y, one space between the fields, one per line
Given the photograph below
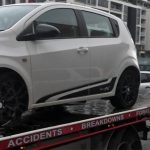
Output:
x=42 y=129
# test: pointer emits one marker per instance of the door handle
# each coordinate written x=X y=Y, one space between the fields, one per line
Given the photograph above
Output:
x=82 y=50
x=148 y=87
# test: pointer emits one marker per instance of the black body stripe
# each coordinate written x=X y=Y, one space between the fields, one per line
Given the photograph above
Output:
x=43 y=99
x=94 y=90
x=76 y=94
x=103 y=88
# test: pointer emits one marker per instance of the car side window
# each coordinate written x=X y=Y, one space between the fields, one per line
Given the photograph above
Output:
x=63 y=19
x=98 y=25
x=116 y=27
x=145 y=77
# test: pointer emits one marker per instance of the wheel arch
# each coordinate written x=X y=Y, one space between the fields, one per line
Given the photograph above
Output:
x=122 y=70
x=4 y=70
x=133 y=68
x=120 y=101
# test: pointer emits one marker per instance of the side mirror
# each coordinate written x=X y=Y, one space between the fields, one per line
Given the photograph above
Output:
x=42 y=31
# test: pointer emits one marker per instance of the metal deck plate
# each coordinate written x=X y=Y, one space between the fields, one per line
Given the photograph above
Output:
x=73 y=112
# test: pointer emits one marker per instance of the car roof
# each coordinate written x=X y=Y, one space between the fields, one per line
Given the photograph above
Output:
x=90 y=9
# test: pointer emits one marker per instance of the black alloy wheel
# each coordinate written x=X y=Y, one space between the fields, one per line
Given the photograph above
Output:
x=127 y=90
x=13 y=98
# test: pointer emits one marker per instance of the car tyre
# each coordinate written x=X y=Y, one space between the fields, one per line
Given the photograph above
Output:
x=13 y=97
x=125 y=139
x=127 y=90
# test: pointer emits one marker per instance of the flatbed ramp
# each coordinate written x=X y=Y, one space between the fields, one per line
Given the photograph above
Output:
x=43 y=129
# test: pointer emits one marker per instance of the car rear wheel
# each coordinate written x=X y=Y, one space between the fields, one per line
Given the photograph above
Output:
x=127 y=90
x=13 y=98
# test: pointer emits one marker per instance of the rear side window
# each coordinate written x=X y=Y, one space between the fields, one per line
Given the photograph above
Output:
x=98 y=25
x=63 y=19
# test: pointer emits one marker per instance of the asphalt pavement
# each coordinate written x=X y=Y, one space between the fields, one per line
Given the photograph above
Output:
x=146 y=144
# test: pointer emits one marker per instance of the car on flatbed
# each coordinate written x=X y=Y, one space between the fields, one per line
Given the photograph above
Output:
x=55 y=53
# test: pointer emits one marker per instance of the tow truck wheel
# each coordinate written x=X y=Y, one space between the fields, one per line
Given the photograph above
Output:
x=13 y=97
x=125 y=139
x=127 y=90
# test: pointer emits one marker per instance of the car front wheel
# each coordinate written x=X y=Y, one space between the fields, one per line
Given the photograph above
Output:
x=13 y=98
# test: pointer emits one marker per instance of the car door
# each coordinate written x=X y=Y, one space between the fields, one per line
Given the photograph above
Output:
x=105 y=49
x=60 y=64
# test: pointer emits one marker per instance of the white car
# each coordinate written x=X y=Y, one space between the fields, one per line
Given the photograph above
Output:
x=55 y=53
x=144 y=90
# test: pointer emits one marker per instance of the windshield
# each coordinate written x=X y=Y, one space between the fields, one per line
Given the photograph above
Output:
x=10 y=15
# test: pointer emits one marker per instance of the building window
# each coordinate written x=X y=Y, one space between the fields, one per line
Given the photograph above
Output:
x=126 y=10
x=125 y=16
x=118 y=15
x=103 y=3
x=142 y=40
x=40 y=0
x=60 y=0
x=81 y=1
x=91 y=2
x=137 y=39
x=138 y=12
x=10 y=2
x=116 y=6
x=32 y=1
x=36 y=1
x=22 y=1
